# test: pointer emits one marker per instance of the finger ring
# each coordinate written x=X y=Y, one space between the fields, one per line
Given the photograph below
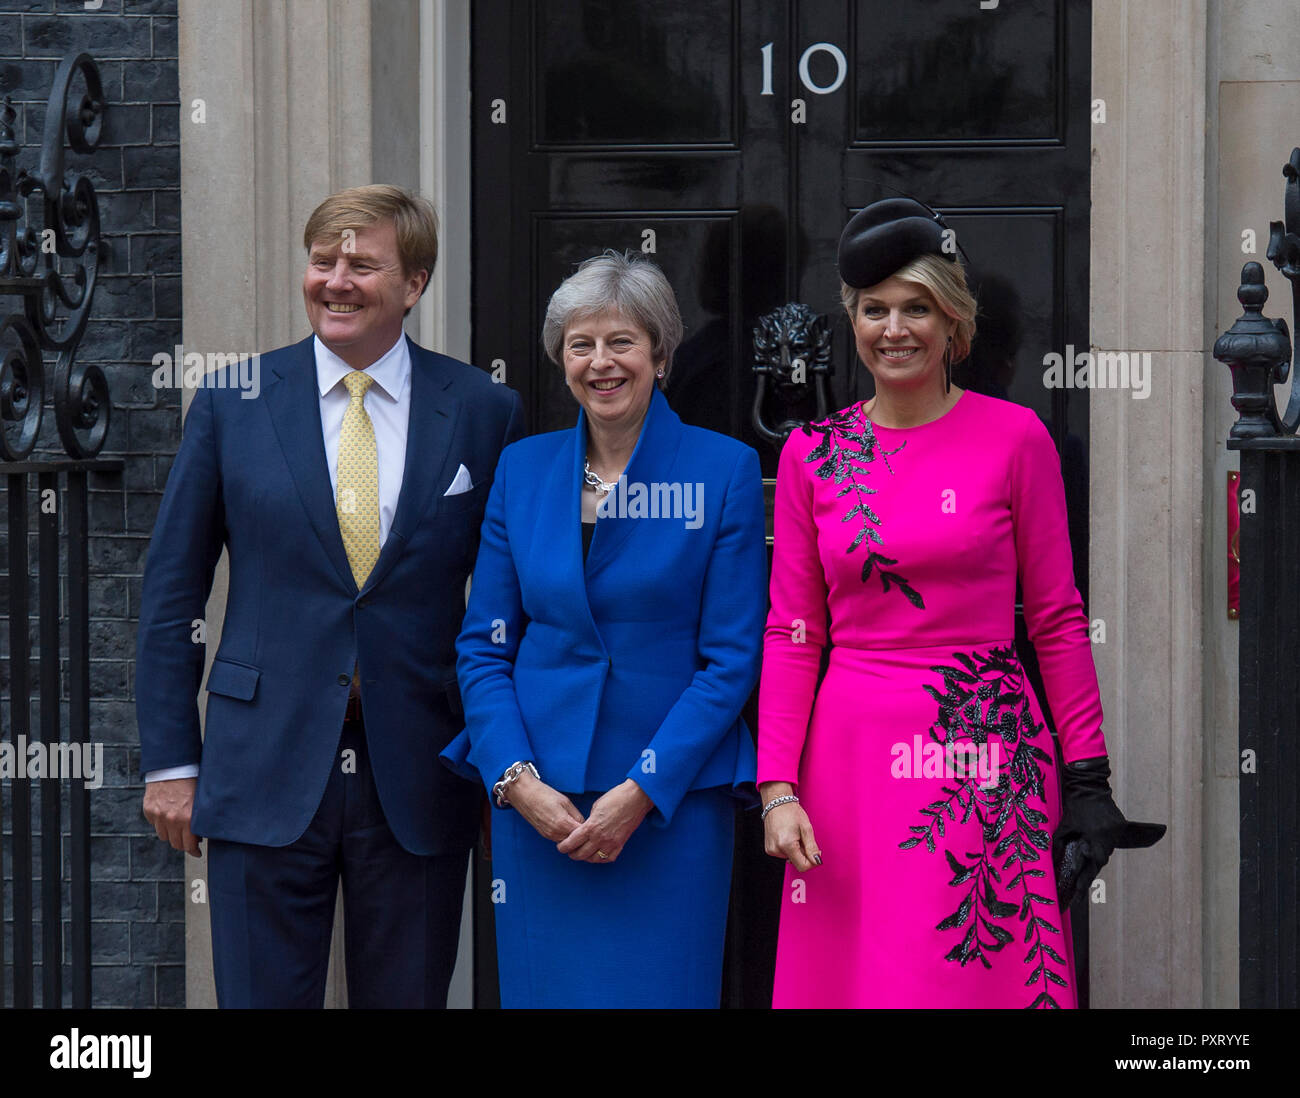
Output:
x=602 y=855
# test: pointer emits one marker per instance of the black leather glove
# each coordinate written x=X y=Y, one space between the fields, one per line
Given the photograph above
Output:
x=1091 y=828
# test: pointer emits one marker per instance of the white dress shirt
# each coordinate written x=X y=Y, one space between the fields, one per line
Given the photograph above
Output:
x=388 y=403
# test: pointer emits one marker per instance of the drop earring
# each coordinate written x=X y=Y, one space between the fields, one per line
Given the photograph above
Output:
x=947 y=367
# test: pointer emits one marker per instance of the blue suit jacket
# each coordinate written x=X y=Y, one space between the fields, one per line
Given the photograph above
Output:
x=637 y=664
x=251 y=476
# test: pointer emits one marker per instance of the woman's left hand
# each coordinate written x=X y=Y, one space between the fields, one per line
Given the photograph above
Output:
x=614 y=816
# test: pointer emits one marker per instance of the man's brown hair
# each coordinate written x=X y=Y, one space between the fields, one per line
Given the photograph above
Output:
x=413 y=217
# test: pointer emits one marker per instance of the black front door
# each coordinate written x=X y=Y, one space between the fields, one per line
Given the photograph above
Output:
x=730 y=140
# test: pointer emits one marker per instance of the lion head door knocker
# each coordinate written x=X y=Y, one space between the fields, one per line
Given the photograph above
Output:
x=792 y=355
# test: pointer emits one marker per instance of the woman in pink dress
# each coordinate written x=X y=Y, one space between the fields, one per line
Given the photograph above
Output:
x=915 y=792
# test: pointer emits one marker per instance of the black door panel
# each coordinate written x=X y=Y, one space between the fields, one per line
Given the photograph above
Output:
x=672 y=126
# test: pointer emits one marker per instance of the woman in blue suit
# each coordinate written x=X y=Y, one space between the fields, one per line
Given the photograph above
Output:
x=614 y=632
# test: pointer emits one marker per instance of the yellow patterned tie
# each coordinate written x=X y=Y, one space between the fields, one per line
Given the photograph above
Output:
x=358 y=481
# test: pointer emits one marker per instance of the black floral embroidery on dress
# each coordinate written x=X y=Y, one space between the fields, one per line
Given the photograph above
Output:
x=984 y=699
x=844 y=464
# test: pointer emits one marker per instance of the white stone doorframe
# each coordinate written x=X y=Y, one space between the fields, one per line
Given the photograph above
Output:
x=1146 y=462
x=300 y=99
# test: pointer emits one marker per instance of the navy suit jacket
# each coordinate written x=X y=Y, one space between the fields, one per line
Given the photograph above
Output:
x=636 y=664
x=251 y=476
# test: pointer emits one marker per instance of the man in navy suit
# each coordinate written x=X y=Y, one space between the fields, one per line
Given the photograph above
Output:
x=348 y=494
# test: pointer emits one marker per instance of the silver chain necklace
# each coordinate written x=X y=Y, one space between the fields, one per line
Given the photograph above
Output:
x=594 y=482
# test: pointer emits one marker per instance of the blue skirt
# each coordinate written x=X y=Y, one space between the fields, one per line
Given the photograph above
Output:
x=645 y=931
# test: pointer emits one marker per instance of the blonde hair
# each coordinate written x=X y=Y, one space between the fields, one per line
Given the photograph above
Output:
x=413 y=218
x=946 y=281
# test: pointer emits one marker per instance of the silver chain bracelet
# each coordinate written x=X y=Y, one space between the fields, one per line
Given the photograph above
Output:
x=512 y=775
x=789 y=798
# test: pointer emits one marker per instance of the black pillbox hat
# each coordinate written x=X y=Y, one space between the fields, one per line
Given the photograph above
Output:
x=886 y=236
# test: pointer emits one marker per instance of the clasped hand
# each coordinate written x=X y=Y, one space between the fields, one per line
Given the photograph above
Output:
x=614 y=816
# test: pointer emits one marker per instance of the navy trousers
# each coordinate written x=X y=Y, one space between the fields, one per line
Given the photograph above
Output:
x=272 y=908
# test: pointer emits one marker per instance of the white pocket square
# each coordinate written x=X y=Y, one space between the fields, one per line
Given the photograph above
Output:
x=460 y=484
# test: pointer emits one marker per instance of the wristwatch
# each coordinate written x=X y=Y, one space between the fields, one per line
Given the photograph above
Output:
x=513 y=774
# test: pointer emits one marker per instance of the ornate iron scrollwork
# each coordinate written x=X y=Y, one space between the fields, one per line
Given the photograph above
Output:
x=1258 y=349
x=792 y=349
x=56 y=301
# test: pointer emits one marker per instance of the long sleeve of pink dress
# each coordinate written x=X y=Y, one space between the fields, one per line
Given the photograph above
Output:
x=922 y=756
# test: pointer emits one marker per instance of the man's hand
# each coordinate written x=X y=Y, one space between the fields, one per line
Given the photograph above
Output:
x=552 y=815
x=613 y=818
x=167 y=805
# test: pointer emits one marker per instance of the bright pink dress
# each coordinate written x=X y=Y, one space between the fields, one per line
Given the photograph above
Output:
x=923 y=760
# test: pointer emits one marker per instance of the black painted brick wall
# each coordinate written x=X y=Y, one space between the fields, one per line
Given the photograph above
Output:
x=137 y=892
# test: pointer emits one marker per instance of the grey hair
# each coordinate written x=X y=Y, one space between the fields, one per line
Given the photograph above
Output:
x=627 y=282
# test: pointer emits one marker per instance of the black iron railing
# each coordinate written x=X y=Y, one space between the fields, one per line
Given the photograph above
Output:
x=49 y=255
x=1259 y=353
